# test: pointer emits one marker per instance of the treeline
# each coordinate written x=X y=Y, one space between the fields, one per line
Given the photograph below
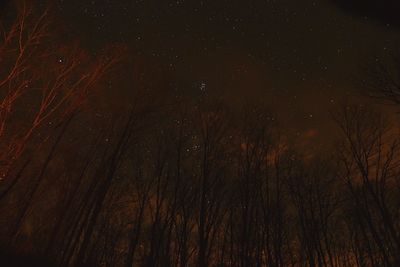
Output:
x=180 y=183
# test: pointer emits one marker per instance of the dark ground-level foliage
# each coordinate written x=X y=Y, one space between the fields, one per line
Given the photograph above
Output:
x=179 y=182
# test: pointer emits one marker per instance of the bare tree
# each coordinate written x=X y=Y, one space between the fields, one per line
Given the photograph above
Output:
x=369 y=158
x=42 y=83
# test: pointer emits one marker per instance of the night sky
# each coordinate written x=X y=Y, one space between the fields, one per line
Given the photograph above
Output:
x=300 y=57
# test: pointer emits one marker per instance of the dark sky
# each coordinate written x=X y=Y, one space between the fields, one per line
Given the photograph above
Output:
x=300 y=57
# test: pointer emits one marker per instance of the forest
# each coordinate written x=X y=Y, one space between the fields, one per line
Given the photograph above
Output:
x=175 y=181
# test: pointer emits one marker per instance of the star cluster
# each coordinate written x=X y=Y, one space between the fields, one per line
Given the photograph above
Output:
x=301 y=57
